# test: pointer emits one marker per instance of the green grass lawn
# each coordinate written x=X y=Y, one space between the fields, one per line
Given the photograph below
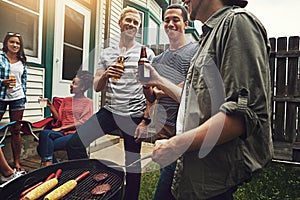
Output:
x=277 y=181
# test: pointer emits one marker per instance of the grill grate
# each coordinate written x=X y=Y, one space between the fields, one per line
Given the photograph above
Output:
x=71 y=170
x=84 y=187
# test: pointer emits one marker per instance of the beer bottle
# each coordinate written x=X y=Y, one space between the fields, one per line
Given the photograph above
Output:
x=143 y=72
x=120 y=62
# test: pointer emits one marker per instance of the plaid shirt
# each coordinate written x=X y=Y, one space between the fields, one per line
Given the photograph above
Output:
x=4 y=73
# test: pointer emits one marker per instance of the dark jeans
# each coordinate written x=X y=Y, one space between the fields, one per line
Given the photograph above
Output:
x=103 y=122
x=50 y=141
x=163 y=189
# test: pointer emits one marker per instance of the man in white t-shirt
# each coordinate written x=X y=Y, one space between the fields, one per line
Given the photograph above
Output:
x=125 y=102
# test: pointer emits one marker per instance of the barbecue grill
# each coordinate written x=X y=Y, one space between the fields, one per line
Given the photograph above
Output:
x=70 y=170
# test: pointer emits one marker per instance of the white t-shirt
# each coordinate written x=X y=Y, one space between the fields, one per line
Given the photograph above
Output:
x=124 y=97
x=17 y=92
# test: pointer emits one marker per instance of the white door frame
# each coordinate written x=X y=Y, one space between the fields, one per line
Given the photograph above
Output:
x=60 y=87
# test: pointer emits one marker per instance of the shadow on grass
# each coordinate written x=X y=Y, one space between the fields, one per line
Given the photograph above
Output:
x=277 y=181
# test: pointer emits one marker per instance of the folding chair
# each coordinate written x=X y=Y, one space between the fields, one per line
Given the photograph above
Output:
x=5 y=128
x=47 y=123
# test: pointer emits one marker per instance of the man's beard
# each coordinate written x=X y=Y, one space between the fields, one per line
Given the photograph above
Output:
x=193 y=15
x=194 y=12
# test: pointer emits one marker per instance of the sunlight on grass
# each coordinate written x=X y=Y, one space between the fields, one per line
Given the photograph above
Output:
x=277 y=181
x=149 y=181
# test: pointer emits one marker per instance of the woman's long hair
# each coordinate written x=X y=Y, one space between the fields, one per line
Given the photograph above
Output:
x=21 y=54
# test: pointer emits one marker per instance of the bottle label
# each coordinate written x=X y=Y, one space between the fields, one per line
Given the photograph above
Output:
x=143 y=73
x=146 y=72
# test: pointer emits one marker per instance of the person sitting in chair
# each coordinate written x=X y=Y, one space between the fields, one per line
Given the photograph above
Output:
x=72 y=113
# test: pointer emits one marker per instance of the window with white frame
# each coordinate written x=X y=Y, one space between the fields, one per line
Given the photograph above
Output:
x=24 y=17
x=139 y=35
x=153 y=30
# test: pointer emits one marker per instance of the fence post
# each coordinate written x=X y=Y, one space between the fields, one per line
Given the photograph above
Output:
x=272 y=73
x=291 y=89
x=280 y=90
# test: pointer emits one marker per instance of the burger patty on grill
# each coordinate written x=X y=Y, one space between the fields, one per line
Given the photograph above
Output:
x=100 y=177
x=101 y=189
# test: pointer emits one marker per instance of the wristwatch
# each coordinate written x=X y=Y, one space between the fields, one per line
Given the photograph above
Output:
x=147 y=120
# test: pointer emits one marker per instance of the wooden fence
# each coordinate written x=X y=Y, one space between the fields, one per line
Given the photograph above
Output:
x=285 y=78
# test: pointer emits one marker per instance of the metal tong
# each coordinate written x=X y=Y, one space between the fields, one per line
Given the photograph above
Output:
x=147 y=156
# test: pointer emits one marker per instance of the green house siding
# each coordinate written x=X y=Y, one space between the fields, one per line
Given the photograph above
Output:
x=194 y=33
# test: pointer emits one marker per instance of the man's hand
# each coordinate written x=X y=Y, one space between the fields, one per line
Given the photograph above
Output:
x=141 y=132
x=169 y=88
x=155 y=77
x=159 y=93
x=114 y=71
x=165 y=152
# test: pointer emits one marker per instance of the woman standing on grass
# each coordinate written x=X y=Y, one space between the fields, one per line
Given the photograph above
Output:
x=13 y=77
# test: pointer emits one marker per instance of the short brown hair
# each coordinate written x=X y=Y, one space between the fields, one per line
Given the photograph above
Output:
x=241 y=3
x=184 y=12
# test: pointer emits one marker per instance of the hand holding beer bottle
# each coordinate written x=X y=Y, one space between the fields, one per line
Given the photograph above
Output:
x=143 y=72
x=12 y=79
x=10 y=83
x=119 y=64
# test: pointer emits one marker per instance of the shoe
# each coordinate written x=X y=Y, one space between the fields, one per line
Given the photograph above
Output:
x=19 y=169
x=6 y=180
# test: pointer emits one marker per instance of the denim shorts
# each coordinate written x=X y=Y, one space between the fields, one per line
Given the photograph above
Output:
x=14 y=105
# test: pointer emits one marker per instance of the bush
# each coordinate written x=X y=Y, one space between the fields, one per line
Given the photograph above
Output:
x=277 y=181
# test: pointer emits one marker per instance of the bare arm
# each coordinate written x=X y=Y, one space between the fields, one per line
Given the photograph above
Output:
x=220 y=128
x=141 y=131
x=100 y=80
x=51 y=108
x=102 y=76
x=172 y=90
x=217 y=130
x=149 y=93
x=68 y=127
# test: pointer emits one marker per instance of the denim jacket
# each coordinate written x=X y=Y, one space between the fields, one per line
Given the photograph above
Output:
x=229 y=73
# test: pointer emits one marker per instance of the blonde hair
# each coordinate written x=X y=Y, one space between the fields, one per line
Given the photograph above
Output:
x=129 y=10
